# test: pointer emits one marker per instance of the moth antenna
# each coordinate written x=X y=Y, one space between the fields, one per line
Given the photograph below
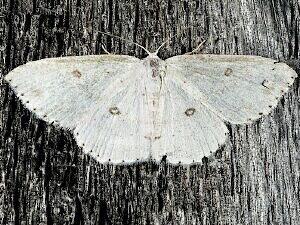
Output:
x=168 y=39
x=196 y=49
x=124 y=39
x=104 y=49
x=165 y=42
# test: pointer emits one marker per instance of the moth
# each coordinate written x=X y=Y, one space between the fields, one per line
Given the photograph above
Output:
x=122 y=109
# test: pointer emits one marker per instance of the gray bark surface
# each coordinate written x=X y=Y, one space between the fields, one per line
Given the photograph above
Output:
x=46 y=179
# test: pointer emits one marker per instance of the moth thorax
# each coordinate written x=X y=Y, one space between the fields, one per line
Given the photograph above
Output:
x=156 y=67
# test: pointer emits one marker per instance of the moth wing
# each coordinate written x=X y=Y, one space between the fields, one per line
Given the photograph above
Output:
x=237 y=88
x=213 y=89
x=71 y=91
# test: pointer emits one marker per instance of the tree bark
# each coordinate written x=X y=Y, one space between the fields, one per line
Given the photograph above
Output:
x=46 y=179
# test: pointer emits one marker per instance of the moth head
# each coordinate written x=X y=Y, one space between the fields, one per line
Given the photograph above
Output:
x=152 y=56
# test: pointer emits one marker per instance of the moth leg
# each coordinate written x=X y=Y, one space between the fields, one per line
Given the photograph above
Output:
x=199 y=47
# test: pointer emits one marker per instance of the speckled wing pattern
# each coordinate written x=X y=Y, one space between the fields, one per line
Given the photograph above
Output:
x=103 y=100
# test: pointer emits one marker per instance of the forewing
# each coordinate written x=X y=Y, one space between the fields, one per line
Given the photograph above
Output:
x=237 y=88
x=63 y=90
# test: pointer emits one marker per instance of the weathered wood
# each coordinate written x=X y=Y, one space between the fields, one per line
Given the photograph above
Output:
x=45 y=178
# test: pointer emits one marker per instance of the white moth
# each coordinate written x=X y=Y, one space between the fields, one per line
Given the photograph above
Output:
x=123 y=109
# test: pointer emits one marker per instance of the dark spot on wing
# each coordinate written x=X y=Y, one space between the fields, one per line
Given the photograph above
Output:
x=268 y=84
x=228 y=71
x=76 y=73
x=37 y=92
x=190 y=111
x=114 y=110
x=264 y=84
